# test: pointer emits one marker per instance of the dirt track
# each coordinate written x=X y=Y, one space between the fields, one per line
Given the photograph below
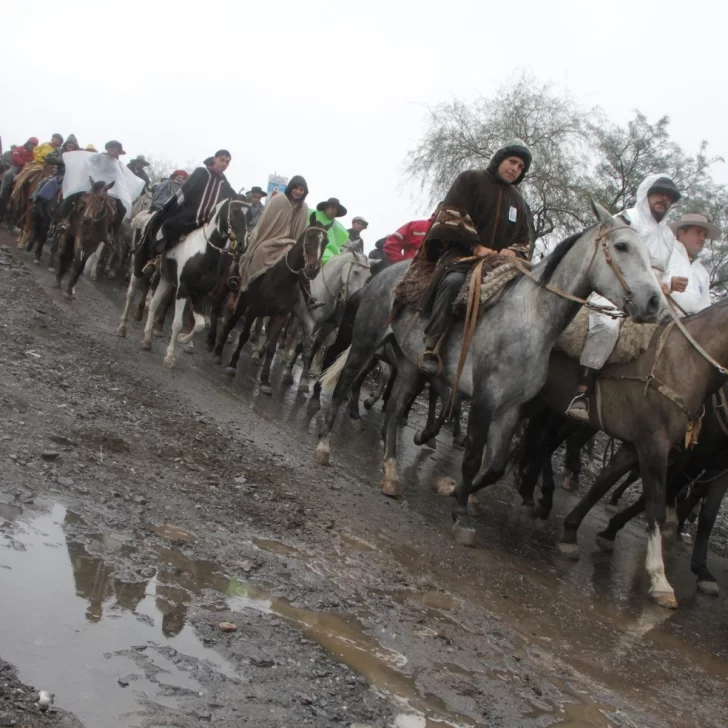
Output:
x=141 y=507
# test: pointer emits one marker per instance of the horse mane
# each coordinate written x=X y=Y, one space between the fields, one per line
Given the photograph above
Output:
x=558 y=254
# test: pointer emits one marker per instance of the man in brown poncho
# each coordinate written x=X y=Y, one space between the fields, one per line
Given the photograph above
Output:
x=281 y=223
x=482 y=214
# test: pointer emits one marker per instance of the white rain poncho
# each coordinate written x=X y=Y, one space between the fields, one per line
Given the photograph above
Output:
x=657 y=236
x=82 y=166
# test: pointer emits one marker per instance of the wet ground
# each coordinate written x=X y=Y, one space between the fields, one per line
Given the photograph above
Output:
x=170 y=555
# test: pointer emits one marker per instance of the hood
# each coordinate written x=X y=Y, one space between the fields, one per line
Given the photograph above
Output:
x=296 y=181
x=641 y=204
x=72 y=140
x=514 y=148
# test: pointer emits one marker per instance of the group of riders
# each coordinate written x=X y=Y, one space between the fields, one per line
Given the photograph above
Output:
x=483 y=214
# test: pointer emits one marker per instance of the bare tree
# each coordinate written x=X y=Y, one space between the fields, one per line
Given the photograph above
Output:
x=159 y=168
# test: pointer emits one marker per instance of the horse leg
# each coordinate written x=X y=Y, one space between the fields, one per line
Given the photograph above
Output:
x=358 y=358
x=274 y=330
x=307 y=355
x=708 y=513
x=613 y=505
x=94 y=274
x=162 y=288
x=354 y=392
x=406 y=387
x=531 y=462
x=568 y=432
x=434 y=422
x=605 y=539
x=620 y=463
x=80 y=260
x=229 y=324
x=65 y=259
x=177 y=323
x=134 y=285
x=232 y=365
x=458 y=436
x=376 y=395
x=195 y=323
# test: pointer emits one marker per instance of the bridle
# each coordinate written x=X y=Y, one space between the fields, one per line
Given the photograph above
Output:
x=599 y=242
x=230 y=233
x=305 y=265
x=344 y=293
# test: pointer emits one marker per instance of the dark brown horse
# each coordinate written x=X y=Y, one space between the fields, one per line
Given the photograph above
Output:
x=648 y=403
x=90 y=224
x=274 y=294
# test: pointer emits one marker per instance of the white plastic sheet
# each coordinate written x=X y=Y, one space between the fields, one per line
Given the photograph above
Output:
x=82 y=167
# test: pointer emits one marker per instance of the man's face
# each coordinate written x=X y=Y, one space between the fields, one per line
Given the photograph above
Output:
x=358 y=225
x=179 y=179
x=220 y=164
x=298 y=193
x=693 y=238
x=56 y=140
x=29 y=146
x=113 y=152
x=71 y=147
x=510 y=169
x=257 y=197
x=330 y=211
x=660 y=203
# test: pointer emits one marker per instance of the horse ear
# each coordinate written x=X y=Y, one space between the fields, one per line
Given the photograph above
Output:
x=110 y=185
x=602 y=214
x=91 y=180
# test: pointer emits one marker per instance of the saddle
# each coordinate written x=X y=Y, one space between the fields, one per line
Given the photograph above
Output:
x=633 y=339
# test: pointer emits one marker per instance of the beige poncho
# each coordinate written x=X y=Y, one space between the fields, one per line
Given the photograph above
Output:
x=280 y=225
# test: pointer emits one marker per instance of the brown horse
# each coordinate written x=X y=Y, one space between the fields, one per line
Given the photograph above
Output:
x=90 y=223
x=26 y=184
x=650 y=403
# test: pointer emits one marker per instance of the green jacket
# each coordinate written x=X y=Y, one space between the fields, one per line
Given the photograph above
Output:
x=337 y=235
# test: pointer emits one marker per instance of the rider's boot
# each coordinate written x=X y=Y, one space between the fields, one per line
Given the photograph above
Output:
x=578 y=408
x=440 y=319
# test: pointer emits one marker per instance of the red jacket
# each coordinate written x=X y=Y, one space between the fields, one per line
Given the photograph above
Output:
x=21 y=156
x=403 y=244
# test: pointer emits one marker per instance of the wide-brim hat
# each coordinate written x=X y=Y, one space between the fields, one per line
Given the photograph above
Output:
x=141 y=159
x=332 y=202
x=693 y=219
x=361 y=220
x=114 y=143
x=257 y=190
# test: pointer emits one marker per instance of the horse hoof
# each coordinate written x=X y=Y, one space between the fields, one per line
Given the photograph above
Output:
x=612 y=508
x=169 y=362
x=314 y=403
x=464 y=535
x=459 y=442
x=94 y=277
x=188 y=348
x=255 y=358
x=474 y=508
x=541 y=512
x=287 y=380
x=664 y=599
x=368 y=404
x=419 y=437
x=70 y=295
x=569 y=550
x=51 y=269
x=159 y=333
x=391 y=488
x=445 y=486
x=709 y=587
x=303 y=388
x=147 y=345
x=569 y=485
x=36 y=261
x=265 y=389
x=217 y=359
x=322 y=455
x=432 y=443
x=605 y=544
x=355 y=423
x=230 y=371
x=121 y=331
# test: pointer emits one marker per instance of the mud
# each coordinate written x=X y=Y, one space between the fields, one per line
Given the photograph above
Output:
x=141 y=507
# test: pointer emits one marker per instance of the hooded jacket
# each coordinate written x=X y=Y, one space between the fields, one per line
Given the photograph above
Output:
x=657 y=236
x=403 y=244
x=496 y=209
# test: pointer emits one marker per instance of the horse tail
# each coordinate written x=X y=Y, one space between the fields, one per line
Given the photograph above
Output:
x=330 y=376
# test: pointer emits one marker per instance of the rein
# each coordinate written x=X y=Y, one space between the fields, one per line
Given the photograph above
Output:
x=599 y=241
x=303 y=267
x=230 y=234
x=344 y=293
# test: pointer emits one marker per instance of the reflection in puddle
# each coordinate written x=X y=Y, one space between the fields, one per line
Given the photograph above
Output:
x=65 y=606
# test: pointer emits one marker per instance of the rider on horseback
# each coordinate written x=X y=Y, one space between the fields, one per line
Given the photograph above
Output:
x=655 y=195
x=482 y=214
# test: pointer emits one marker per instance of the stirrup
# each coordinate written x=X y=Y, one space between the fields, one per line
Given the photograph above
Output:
x=579 y=407
x=430 y=353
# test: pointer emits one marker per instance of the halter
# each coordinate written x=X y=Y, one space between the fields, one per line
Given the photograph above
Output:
x=599 y=241
x=344 y=293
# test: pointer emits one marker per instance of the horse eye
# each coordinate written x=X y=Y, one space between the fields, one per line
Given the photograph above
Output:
x=621 y=247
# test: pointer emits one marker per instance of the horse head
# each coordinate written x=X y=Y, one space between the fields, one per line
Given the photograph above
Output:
x=357 y=275
x=96 y=202
x=236 y=223
x=620 y=268
x=315 y=240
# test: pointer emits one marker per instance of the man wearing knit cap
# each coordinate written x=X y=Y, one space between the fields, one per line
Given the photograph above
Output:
x=655 y=196
x=21 y=156
x=483 y=213
x=167 y=189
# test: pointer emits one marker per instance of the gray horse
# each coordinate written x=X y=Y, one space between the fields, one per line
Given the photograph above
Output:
x=508 y=360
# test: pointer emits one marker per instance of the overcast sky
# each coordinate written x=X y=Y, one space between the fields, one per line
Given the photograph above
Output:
x=338 y=91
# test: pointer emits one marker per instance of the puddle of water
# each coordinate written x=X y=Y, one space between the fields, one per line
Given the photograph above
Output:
x=344 y=637
x=62 y=605
x=174 y=533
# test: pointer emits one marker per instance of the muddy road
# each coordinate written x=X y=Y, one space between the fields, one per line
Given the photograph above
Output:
x=170 y=555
